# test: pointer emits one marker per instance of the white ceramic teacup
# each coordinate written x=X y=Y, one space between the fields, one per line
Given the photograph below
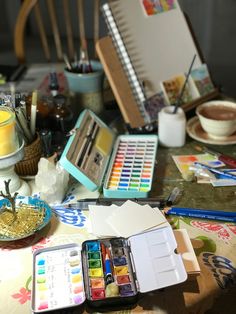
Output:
x=217 y=118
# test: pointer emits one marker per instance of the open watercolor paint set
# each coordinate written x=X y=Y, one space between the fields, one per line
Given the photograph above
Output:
x=123 y=165
x=105 y=272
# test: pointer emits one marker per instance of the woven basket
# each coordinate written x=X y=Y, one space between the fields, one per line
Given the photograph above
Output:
x=28 y=166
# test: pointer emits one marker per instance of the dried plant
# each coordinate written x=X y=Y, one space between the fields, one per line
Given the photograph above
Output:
x=12 y=199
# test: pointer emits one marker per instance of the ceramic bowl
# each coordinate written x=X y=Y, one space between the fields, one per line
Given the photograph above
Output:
x=217 y=118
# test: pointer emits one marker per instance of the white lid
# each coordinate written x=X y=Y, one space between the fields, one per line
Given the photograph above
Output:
x=157 y=265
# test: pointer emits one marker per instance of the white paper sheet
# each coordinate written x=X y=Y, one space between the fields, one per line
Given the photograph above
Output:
x=132 y=218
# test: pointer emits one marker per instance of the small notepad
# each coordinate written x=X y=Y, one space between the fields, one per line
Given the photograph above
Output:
x=132 y=218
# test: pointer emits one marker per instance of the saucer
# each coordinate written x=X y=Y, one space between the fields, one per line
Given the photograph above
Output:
x=195 y=131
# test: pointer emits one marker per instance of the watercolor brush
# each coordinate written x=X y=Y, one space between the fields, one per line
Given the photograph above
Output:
x=33 y=112
x=216 y=171
x=67 y=62
x=230 y=161
x=184 y=86
x=84 y=203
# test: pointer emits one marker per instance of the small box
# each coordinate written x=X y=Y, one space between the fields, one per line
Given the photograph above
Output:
x=186 y=250
x=123 y=165
x=105 y=272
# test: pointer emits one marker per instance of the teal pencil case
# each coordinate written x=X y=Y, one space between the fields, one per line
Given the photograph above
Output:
x=122 y=166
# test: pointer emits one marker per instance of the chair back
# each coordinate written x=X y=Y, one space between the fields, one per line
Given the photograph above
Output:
x=60 y=27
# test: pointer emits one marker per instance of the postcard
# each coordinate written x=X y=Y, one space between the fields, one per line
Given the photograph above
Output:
x=202 y=80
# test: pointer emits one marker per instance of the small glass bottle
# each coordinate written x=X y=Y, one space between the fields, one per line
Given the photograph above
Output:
x=60 y=115
x=8 y=135
x=171 y=127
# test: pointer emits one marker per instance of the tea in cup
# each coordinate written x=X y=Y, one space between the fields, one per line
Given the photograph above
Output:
x=217 y=118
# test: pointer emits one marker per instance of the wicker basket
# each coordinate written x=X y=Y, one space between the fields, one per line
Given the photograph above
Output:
x=28 y=166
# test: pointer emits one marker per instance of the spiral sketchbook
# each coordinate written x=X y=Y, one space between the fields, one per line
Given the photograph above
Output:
x=146 y=58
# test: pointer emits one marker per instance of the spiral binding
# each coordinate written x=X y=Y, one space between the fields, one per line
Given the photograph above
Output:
x=136 y=86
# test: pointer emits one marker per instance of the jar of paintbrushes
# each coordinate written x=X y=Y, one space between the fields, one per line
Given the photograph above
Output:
x=85 y=80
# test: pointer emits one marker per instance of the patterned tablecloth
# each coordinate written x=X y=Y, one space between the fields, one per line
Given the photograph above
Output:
x=214 y=244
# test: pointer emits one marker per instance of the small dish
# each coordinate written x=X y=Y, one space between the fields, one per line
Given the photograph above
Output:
x=195 y=131
x=29 y=201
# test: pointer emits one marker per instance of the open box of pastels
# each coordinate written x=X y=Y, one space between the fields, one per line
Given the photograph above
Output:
x=105 y=272
x=93 y=153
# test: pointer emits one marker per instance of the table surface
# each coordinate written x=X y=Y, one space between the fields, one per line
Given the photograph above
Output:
x=214 y=244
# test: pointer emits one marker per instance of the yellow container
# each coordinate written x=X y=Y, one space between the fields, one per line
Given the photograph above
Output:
x=8 y=136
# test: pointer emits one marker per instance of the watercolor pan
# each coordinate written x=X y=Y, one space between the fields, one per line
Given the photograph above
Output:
x=122 y=165
x=130 y=272
x=105 y=272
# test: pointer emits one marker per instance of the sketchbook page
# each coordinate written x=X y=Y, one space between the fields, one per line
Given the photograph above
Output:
x=132 y=218
x=97 y=216
x=159 y=45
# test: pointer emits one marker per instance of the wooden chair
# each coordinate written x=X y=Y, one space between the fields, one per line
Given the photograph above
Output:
x=34 y=6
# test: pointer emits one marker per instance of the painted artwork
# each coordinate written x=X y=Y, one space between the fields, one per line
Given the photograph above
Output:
x=183 y=162
x=173 y=87
x=154 y=104
x=202 y=80
x=153 y=7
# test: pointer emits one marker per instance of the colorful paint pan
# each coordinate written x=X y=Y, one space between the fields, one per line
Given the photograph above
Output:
x=132 y=166
x=115 y=264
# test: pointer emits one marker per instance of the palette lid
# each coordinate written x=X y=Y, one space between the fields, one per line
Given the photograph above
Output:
x=87 y=152
x=58 y=281
x=157 y=265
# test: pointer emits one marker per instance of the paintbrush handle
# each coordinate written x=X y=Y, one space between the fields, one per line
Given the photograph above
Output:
x=228 y=160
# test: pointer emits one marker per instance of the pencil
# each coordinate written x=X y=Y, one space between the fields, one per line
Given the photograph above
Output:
x=202 y=214
x=203 y=211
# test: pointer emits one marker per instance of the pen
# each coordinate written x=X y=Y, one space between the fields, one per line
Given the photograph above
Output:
x=202 y=214
x=83 y=204
x=217 y=171
x=173 y=196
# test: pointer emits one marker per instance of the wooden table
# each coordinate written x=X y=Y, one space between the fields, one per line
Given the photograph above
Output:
x=194 y=195
x=214 y=244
